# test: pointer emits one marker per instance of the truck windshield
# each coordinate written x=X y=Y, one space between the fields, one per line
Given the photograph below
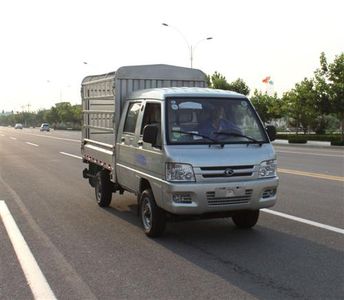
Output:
x=213 y=121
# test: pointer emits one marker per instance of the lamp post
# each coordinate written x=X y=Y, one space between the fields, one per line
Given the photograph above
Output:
x=190 y=47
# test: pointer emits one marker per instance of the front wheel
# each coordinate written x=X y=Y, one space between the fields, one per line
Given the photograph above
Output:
x=153 y=217
x=246 y=219
x=103 y=188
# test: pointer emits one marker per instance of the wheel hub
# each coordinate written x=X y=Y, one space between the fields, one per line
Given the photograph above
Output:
x=146 y=214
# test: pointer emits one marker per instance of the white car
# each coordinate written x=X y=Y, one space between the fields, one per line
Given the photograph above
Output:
x=44 y=127
x=18 y=126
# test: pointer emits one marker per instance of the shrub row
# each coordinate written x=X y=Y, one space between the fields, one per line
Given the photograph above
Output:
x=296 y=140
x=337 y=143
x=310 y=137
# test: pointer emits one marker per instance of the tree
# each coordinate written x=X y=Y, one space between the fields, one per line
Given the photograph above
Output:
x=52 y=116
x=77 y=114
x=218 y=81
x=299 y=103
x=336 y=88
x=64 y=111
x=268 y=107
x=321 y=99
x=239 y=86
x=41 y=116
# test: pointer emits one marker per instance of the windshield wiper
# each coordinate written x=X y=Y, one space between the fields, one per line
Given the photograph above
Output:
x=200 y=135
x=240 y=135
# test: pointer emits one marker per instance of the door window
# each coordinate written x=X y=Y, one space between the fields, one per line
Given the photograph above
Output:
x=130 y=121
x=152 y=115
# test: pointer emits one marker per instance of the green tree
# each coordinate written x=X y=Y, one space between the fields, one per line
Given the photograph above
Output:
x=268 y=107
x=41 y=116
x=218 y=81
x=299 y=103
x=239 y=86
x=336 y=88
x=77 y=114
x=64 y=111
x=52 y=116
x=321 y=100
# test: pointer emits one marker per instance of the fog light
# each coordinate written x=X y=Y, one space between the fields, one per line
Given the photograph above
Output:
x=268 y=193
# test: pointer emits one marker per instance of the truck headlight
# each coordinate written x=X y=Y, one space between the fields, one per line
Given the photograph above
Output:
x=267 y=168
x=179 y=172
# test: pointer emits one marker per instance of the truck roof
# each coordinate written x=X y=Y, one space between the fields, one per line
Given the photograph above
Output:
x=153 y=72
x=162 y=93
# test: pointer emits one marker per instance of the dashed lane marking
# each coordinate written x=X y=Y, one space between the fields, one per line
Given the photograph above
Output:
x=12 y=138
x=34 y=276
x=304 y=221
x=71 y=155
x=32 y=144
x=54 y=137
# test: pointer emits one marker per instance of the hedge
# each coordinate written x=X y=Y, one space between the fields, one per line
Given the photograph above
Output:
x=310 y=137
x=337 y=143
x=297 y=140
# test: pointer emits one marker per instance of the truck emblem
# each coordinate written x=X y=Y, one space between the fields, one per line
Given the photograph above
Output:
x=229 y=172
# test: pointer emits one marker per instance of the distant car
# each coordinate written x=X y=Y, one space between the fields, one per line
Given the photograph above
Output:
x=18 y=126
x=44 y=127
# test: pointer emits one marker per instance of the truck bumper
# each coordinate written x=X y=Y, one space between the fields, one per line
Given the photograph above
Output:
x=202 y=198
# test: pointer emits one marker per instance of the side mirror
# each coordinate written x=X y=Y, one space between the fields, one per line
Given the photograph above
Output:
x=150 y=134
x=271 y=131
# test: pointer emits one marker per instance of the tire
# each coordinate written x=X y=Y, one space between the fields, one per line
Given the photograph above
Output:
x=103 y=188
x=92 y=182
x=246 y=219
x=153 y=218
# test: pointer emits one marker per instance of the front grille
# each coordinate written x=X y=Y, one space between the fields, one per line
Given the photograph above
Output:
x=220 y=172
x=217 y=175
x=222 y=201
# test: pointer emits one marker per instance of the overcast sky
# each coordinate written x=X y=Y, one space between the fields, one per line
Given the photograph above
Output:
x=44 y=44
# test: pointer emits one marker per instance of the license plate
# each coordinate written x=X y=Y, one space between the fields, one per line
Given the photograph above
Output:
x=225 y=192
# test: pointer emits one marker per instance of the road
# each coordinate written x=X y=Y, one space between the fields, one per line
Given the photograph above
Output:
x=84 y=252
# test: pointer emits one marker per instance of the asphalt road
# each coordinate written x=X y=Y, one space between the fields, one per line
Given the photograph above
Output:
x=85 y=252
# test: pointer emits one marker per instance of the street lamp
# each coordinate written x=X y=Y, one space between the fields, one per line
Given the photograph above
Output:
x=190 y=47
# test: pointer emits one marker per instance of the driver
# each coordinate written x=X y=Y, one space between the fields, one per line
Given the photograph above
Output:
x=217 y=122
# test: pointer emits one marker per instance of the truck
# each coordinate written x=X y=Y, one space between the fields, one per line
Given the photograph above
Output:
x=147 y=130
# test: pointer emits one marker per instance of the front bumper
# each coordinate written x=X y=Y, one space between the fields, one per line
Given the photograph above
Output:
x=201 y=198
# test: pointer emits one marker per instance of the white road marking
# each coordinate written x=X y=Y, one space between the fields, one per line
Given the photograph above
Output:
x=2 y=134
x=32 y=144
x=34 y=276
x=55 y=138
x=71 y=155
x=309 y=174
x=12 y=138
x=305 y=221
x=310 y=153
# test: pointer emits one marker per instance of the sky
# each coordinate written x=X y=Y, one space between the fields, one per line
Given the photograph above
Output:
x=48 y=47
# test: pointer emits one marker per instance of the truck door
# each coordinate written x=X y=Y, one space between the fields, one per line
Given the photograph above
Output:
x=127 y=144
x=149 y=158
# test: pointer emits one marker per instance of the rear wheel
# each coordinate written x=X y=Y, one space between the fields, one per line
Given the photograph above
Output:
x=153 y=217
x=103 y=188
x=246 y=219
